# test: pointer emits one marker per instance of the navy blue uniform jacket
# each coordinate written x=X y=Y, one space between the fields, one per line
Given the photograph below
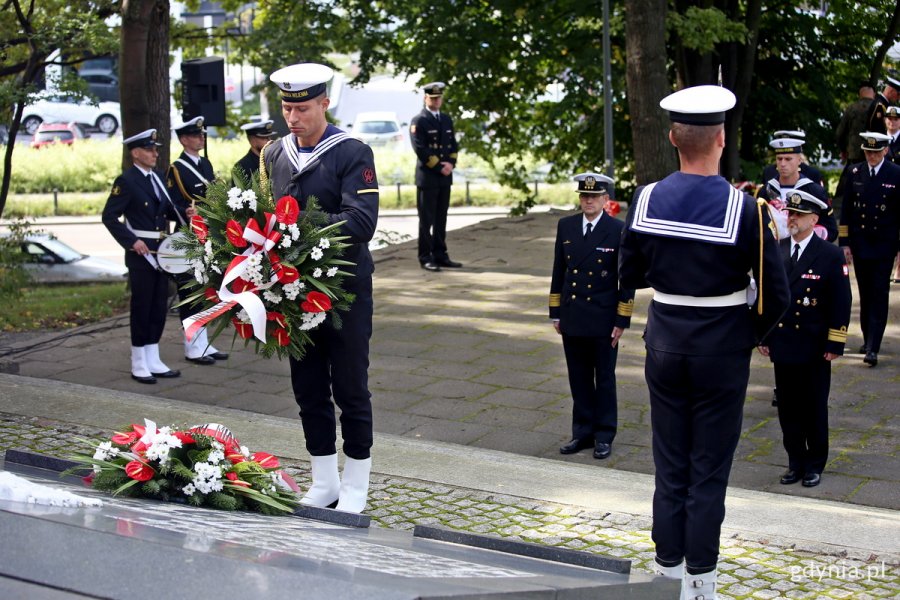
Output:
x=870 y=211
x=433 y=141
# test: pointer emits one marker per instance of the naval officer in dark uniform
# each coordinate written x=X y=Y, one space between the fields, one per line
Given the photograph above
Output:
x=590 y=312
x=870 y=235
x=889 y=95
x=892 y=123
x=140 y=197
x=806 y=170
x=259 y=133
x=319 y=160
x=434 y=142
x=187 y=179
x=695 y=240
x=811 y=334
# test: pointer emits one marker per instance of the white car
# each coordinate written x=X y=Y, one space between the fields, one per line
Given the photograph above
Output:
x=377 y=128
x=51 y=261
x=104 y=116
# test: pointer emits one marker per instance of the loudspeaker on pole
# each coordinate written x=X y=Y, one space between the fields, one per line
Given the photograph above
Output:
x=203 y=89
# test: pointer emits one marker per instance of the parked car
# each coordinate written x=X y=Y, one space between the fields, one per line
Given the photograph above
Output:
x=104 y=116
x=51 y=261
x=57 y=133
x=102 y=84
x=377 y=128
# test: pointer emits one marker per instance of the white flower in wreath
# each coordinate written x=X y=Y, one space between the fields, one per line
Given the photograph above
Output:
x=216 y=457
x=317 y=273
x=316 y=253
x=189 y=489
x=273 y=297
x=215 y=268
x=234 y=199
x=311 y=320
x=242 y=316
x=291 y=290
x=295 y=231
x=332 y=271
x=285 y=242
x=324 y=243
x=249 y=196
x=105 y=451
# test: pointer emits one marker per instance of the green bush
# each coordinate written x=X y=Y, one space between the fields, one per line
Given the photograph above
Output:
x=13 y=276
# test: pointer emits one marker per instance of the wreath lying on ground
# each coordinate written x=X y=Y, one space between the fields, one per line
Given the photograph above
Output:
x=268 y=268
x=203 y=465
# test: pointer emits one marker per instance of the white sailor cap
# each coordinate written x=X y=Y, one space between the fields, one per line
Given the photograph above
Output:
x=144 y=139
x=787 y=146
x=699 y=105
x=302 y=82
x=804 y=202
x=873 y=141
x=892 y=80
x=593 y=183
x=259 y=128
x=797 y=134
x=434 y=89
x=892 y=111
x=192 y=127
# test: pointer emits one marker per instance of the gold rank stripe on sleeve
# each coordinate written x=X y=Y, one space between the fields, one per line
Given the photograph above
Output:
x=843 y=230
x=625 y=309
x=555 y=300
x=368 y=191
x=838 y=335
x=432 y=161
x=454 y=155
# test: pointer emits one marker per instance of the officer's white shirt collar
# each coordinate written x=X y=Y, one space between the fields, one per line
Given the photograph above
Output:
x=435 y=113
x=876 y=167
x=194 y=159
x=803 y=244
x=144 y=171
x=584 y=222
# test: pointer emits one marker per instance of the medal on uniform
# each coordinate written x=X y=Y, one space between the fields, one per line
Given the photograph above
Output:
x=805 y=301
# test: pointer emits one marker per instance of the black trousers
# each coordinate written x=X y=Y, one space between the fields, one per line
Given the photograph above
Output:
x=591 y=363
x=696 y=410
x=337 y=364
x=803 y=413
x=873 y=278
x=432 y=204
x=149 y=296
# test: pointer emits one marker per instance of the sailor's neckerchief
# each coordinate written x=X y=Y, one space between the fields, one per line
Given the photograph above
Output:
x=331 y=138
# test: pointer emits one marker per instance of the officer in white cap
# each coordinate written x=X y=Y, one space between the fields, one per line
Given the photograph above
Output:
x=788 y=177
x=321 y=161
x=140 y=196
x=808 y=338
x=892 y=124
x=259 y=133
x=187 y=179
x=590 y=312
x=694 y=238
x=889 y=95
x=870 y=235
x=806 y=170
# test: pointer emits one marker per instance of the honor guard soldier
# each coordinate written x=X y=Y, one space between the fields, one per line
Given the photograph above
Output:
x=695 y=239
x=434 y=142
x=788 y=177
x=878 y=107
x=259 y=133
x=321 y=161
x=811 y=334
x=806 y=170
x=590 y=312
x=140 y=197
x=869 y=232
x=187 y=179
x=892 y=123
x=852 y=122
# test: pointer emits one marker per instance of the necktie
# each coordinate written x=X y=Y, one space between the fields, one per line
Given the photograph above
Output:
x=153 y=185
x=872 y=172
x=795 y=256
x=587 y=230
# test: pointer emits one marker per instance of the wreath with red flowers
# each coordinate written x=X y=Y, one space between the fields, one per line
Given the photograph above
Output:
x=265 y=267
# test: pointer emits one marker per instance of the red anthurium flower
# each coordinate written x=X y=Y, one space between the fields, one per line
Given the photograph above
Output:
x=185 y=437
x=287 y=210
x=265 y=459
x=233 y=478
x=245 y=330
x=126 y=438
x=286 y=274
x=140 y=471
x=282 y=337
x=235 y=457
x=278 y=318
x=211 y=294
x=316 y=302
x=89 y=479
x=241 y=285
x=138 y=429
x=198 y=226
x=234 y=232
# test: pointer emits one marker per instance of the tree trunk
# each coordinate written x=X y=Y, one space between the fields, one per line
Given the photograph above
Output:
x=886 y=43
x=144 y=73
x=647 y=84
x=737 y=75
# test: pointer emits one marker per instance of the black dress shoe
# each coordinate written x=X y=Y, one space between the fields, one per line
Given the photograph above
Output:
x=812 y=480
x=168 y=374
x=575 y=445
x=218 y=356
x=871 y=358
x=450 y=264
x=602 y=450
x=790 y=476
x=139 y=379
x=201 y=360
x=862 y=349
x=430 y=266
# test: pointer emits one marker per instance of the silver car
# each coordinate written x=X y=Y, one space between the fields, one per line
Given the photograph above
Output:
x=51 y=261
x=377 y=128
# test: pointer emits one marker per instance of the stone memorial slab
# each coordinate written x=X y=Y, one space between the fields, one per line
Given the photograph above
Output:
x=136 y=548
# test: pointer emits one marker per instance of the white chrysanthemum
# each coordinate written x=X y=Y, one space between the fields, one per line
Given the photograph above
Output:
x=245 y=451
x=249 y=197
x=332 y=271
x=216 y=456
x=242 y=316
x=208 y=249
x=217 y=445
x=189 y=489
x=273 y=297
x=200 y=276
x=286 y=241
x=295 y=231
x=234 y=199
x=105 y=451
x=317 y=273
x=324 y=243
x=234 y=193
x=315 y=253
x=311 y=320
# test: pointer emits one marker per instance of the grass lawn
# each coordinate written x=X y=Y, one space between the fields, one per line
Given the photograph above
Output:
x=62 y=306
